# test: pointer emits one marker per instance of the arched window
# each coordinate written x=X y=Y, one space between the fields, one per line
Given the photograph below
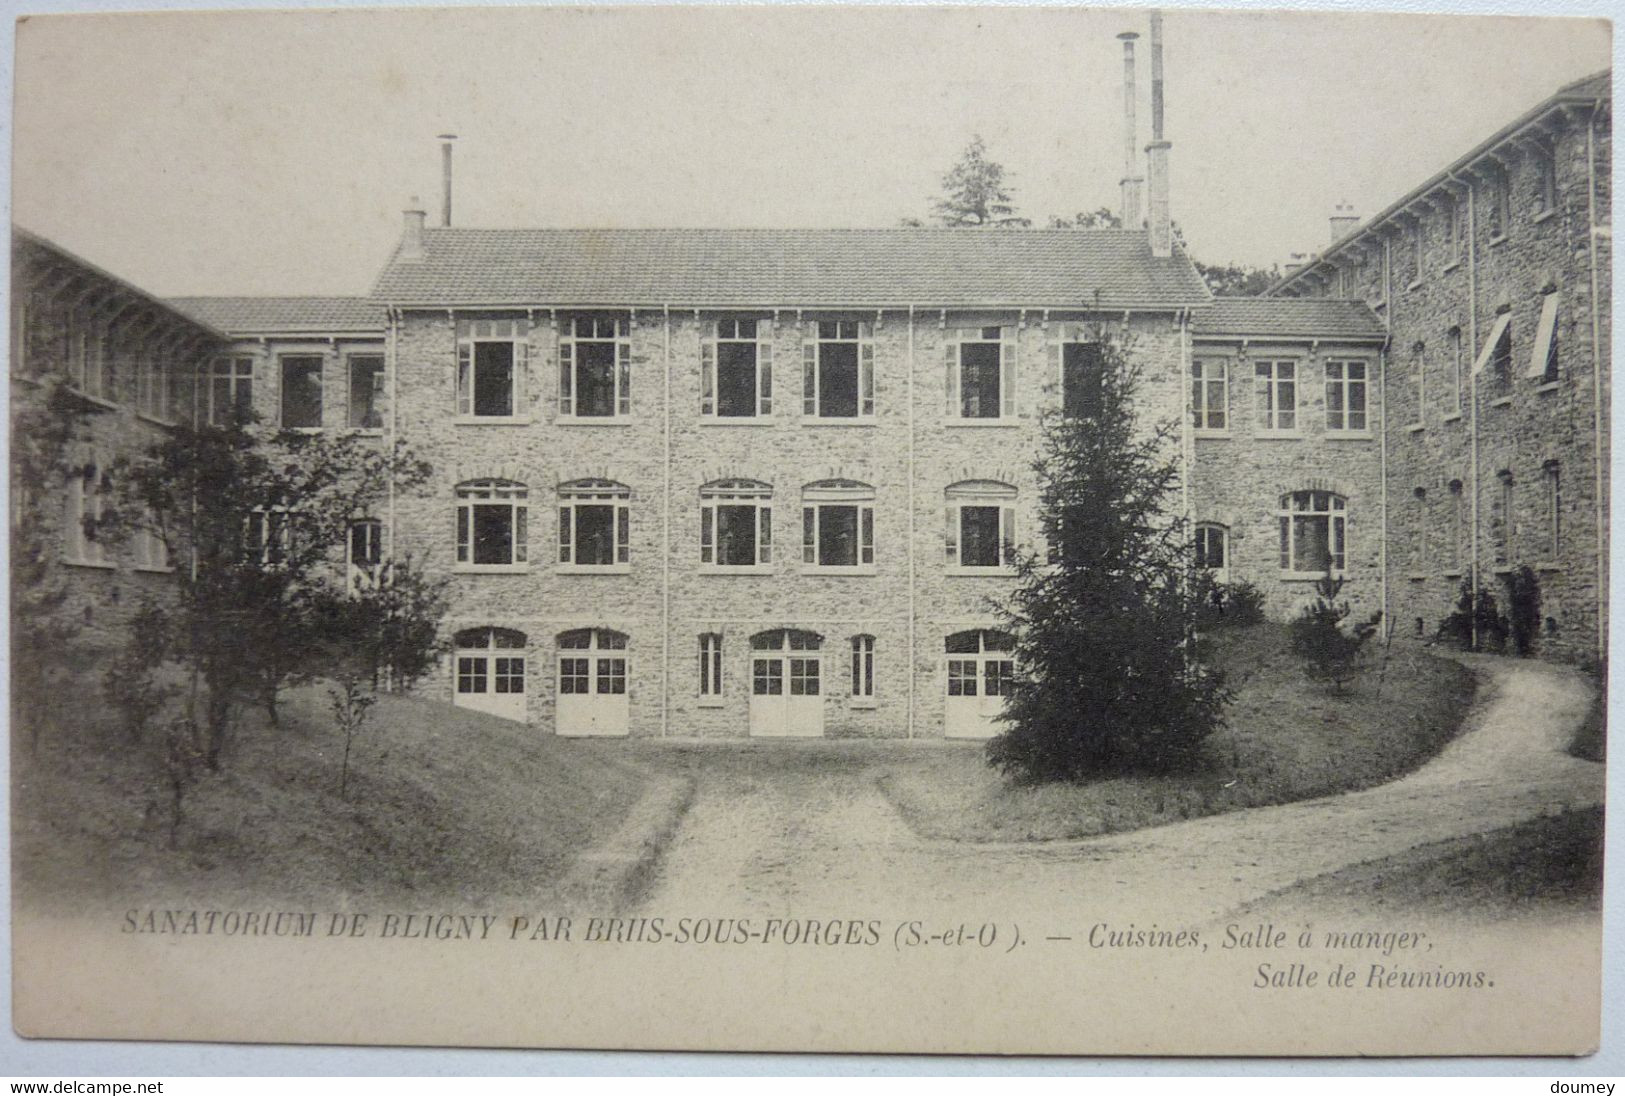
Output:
x=838 y=524
x=1213 y=549
x=981 y=516
x=594 y=524
x=980 y=660
x=490 y=671
x=863 y=667
x=736 y=524
x=491 y=524
x=1312 y=532
x=592 y=661
x=1458 y=526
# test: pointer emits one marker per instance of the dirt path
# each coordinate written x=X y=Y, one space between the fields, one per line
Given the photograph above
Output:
x=802 y=829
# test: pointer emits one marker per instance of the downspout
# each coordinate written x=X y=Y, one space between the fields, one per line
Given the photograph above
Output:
x=911 y=545
x=1472 y=390
x=391 y=363
x=665 y=544
x=1187 y=435
x=1382 y=476
x=1598 y=438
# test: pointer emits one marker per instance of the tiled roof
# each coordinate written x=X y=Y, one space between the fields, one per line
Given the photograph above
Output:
x=794 y=267
x=284 y=315
x=1317 y=317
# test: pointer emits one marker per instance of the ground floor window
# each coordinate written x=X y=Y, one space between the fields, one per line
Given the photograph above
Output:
x=710 y=664
x=490 y=671
x=863 y=666
x=1312 y=532
x=1213 y=549
x=592 y=661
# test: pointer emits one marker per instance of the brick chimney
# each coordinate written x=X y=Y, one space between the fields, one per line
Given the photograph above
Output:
x=1160 y=224
x=1344 y=220
x=411 y=250
x=1133 y=182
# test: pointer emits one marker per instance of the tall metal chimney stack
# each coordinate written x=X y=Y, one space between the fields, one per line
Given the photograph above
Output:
x=445 y=140
x=1132 y=180
x=1160 y=226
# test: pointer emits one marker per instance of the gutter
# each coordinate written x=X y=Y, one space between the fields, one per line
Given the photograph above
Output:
x=1598 y=439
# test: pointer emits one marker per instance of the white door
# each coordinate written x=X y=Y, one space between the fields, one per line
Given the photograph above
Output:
x=786 y=685
x=489 y=668
x=980 y=674
x=592 y=696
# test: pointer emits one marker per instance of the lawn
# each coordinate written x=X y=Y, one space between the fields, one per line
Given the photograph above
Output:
x=1286 y=739
x=445 y=806
x=1591 y=738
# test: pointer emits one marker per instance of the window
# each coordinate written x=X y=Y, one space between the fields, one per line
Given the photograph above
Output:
x=1456 y=215
x=90 y=365
x=480 y=673
x=228 y=391
x=151 y=550
x=1459 y=533
x=1345 y=397
x=595 y=368
x=594 y=524
x=268 y=536
x=367 y=396
x=1553 y=473
x=1083 y=379
x=1543 y=351
x=491 y=524
x=1419 y=378
x=981 y=518
x=302 y=391
x=152 y=397
x=980 y=381
x=1419 y=541
x=710 y=665
x=493 y=358
x=863 y=667
x=364 y=552
x=1213 y=549
x=1457 y=363
x=736 y=370
x=1497 y=213
x=981 y=654
x=1413 y=245
x=736 y=524
x=1210 y=393
x=20 y=332
x=1506 y=526
x=88 y=489
x=1312 y=527
x=1277 y=385
x=592 y=661
x=1497 y=350
x=1545 y=182
x=838 y=525
x=838 y=371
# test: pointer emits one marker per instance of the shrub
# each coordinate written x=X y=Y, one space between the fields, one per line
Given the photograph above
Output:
x=1484 y=616
x=1523 y=603
x=1232 y=605
x=1330 y=653
x=130 y=684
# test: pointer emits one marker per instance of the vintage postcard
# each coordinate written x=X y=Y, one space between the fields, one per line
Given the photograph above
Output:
x=963 y=530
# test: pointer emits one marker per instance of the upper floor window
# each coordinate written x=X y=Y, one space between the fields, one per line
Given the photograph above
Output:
x=87 y=490
x=838 y=370
x=1553 y=477
x=736 y=370
x=228 y=390
x=838 y=525
x=981 y=520
x=364 y=552
x=90 y=364
x=302 y=391
x=1419 y=380
x=1213 y=549
x=736 y=524
x=1458 y=365
x=595 y=368
x=367 y=395
x=1346 y=397
x=1545 y=182
x=152 y=397
x=1543 y=351
x=1312 y=528
x=1497 y=205
x=981 y=382
x=268 y=536
x=1455 y=230
x=493 y=357
x=594 y=524
x=1413 y=247
x=1083 y=379
x=1497 y=351
x=492 y=516
x=1277 y=384
x=151 y=547
x=1210 y=393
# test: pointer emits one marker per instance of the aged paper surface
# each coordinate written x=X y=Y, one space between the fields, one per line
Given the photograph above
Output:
x=772 y=858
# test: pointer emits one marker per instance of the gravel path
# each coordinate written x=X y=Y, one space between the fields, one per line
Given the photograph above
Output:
x=801 y=829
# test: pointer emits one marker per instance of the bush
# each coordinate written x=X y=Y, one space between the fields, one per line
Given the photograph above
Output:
x=1328 y=652
x=1523 y=598
x=130 y=684
x=1484 y=616
x=1232 y=605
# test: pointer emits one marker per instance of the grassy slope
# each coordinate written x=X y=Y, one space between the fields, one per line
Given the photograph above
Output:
x=1286 y=739
x=444 y=805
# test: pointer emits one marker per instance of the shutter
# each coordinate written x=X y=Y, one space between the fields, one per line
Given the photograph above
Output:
x=764 y=543
x=809 y=372
x=708 y=375
x=623 y=534
x=952 y=540
x=764 y=367
x=866 y=371
x=521 y=367
x=566 y=376
x=463 y=515
x=1007 y=532
x=809 y=534
x=1009 y=353
x=1541 y=350
x=465 y=378
x=564 y=534
x=623 y=364
x=951 y=379
x=521 y=536
x=708 y=515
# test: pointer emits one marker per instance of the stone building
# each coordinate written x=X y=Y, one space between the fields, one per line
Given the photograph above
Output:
x=1493 y=281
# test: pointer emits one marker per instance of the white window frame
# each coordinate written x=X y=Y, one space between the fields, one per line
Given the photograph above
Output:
x=815 y=498
x=980 y=494
x=726 y=332
x=1339 y=378
x=1335 y=515
x=85 y=502
x=1552 y=477
x=1506 y=547
x=604 y=645
x=617 y=497
x=595 y=330
x=152 y=387
x=473 y=332
x=710 y=667
x=90 y=360
x=1206 y=531
x=1273 y=410
x=863 y=672
x=815 y=336
x=363 y=575
x=380 y=390
x=268 y=533
x=237 y=373
x=473 y=494
x=1543 y=363
x=1003 y=336
x=1203 y=386
x=736 y=493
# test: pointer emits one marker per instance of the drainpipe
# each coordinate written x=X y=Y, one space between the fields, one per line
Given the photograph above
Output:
x=1187 y=436
x=1472 y=388
x=911 y=545
x=391 y=363
x=1598 y=438
x=665 y=544
x=1382 y=475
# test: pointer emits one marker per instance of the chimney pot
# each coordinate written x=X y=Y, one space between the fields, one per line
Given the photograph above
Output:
x=412 y=238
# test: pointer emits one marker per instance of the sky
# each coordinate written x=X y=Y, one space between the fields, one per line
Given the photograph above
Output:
x=273 y=152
